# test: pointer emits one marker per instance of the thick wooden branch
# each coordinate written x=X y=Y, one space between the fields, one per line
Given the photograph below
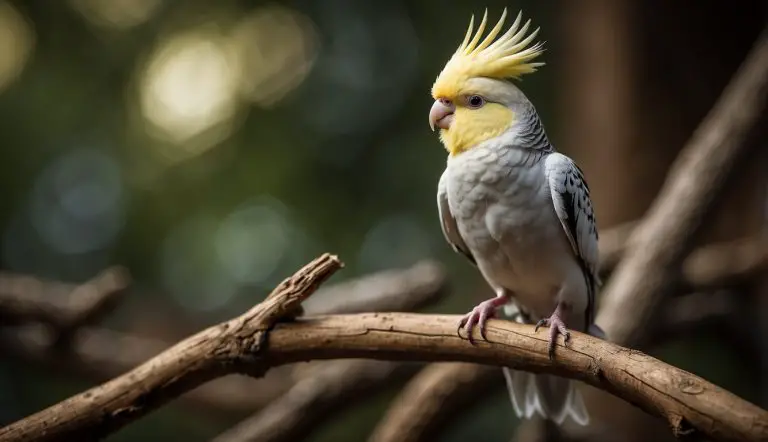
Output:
x=101 y=354
x=235 y=346
x=332 y=386
x=696 y=180
x=436 y=394
x=690 y=404
x=441 y=391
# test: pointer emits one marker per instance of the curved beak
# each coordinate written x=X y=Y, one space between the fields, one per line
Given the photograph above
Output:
x=441 y=114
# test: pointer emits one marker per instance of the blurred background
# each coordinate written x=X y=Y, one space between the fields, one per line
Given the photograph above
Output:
x=212 y=148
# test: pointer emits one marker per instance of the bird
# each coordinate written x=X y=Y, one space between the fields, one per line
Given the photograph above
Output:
x=516 y=208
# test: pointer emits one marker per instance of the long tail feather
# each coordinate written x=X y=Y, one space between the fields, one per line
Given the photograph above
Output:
x=550 y=397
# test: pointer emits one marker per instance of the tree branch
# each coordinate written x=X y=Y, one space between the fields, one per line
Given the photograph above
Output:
x=332 y=387
x=64 y=307
x=397 y=290
x=101 y=354
x=612 y=245
x=432 y=398
x=709 y=267
x=439 y=392
x=719 y=265
x=690 y=404
x=696 y=179
x=235 y=346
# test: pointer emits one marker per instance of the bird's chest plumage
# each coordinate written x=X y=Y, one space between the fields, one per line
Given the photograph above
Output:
x=503 y=209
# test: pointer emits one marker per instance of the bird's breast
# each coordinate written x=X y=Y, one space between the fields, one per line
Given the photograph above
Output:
x=502 y=191
x=503 y=209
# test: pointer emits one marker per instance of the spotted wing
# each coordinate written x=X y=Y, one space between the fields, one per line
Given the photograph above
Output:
x=570 y=197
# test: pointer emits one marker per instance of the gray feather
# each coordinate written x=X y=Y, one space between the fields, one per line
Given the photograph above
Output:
x=550 y=397
x=448 y=222
x=570 y=198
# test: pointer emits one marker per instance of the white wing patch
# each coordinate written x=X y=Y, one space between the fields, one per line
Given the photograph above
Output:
x=448 y=222
x=570 y=196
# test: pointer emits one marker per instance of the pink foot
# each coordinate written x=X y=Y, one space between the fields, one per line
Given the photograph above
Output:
x=556 y=325
x=479 y=316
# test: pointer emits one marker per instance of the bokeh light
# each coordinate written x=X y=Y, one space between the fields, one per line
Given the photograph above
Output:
x=397 y=240
x=77 y=203
x=190 y=87
x=116 y=14
x=207 y=260
x=252 y=241
x=277 y=47
x=72 y=218
x=17 y=40
x=190 y=271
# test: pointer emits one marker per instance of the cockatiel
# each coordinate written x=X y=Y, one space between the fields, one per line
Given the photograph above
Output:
x=516 y=208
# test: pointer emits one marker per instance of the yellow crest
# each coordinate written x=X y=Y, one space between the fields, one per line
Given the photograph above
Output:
x=507 y=57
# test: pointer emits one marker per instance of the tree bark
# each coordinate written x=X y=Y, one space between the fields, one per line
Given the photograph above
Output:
x=691 y=405
x=230 y=347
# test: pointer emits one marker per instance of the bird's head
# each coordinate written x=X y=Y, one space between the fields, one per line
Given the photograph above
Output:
x=474 y=100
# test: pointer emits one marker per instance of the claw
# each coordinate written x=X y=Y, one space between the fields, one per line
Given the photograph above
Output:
x=461 y=324
x=484 y=315
x=556 y=326
x=471 y=322
x=479 y=316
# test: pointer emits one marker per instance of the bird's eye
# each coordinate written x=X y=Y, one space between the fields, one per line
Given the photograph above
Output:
x=475 y=101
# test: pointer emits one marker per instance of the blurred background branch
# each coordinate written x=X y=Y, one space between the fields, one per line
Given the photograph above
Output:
x=332 y=388
x=437 y=395
x=708 y=267
x=659 y=244
x=64 y=307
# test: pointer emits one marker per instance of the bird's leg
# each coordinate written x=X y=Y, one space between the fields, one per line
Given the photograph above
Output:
x=481 y=313
x=556 y=325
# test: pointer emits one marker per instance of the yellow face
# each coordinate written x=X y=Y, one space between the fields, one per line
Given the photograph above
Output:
x=472 y=126
x=477 y=69
x=468 y=119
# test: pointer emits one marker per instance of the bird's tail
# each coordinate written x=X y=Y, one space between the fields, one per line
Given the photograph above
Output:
x=551 y=397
